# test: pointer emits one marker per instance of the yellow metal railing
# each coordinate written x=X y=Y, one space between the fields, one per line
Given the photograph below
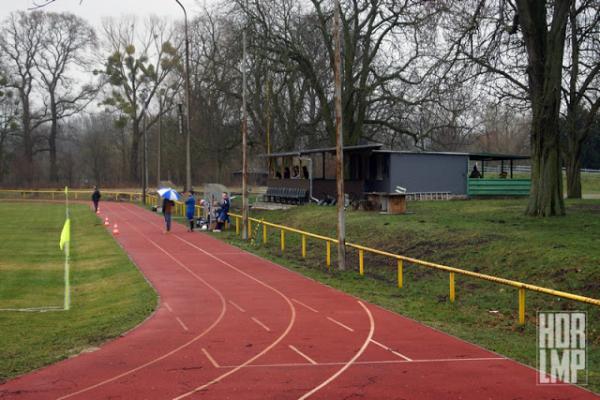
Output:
x=452 y=272
x=74 y=194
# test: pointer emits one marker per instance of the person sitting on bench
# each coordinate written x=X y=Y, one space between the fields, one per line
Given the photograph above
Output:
x=222 y=213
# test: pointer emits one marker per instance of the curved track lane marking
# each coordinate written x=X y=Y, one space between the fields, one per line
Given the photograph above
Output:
x=266 y=349
x=349 y=363
x=266 y=285
x=183 y=346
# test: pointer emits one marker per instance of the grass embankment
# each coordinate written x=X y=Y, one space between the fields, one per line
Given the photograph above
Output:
x=487 y=236
x=109 y=295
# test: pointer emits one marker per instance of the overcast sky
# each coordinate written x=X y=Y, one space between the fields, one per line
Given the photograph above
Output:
x=94 y=10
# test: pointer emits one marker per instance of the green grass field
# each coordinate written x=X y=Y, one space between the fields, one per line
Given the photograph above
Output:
x=487 y=236
x=109 y=295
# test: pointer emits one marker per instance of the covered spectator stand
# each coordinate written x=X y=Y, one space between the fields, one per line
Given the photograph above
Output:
x=296 y=176
x=501 y=181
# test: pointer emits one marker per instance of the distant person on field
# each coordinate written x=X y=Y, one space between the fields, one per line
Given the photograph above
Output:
x=475 y=173
x=190 y=209
x=223 y=213
x=96 y=198
x=167 y=209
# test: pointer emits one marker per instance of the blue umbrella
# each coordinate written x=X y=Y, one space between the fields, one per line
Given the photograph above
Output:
x=169 y=194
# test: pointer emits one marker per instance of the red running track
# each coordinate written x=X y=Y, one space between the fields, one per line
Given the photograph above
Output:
x=234 y=326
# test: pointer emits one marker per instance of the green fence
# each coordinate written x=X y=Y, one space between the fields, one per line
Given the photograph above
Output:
x=498 y=187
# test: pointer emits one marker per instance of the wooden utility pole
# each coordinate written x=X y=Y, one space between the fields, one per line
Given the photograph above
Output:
x=244 y=144
x=339 y=148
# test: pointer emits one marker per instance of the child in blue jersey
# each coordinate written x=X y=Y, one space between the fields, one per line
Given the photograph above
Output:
x=190 y=209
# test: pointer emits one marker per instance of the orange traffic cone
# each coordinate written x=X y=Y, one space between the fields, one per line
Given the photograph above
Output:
x=106 y=223
x=115 y=229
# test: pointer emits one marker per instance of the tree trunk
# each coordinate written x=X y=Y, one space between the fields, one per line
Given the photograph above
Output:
x=52 y=141
x=545 y=43
x=546 y=197
x=573 y=164
x=134 y=156
x=27 y=170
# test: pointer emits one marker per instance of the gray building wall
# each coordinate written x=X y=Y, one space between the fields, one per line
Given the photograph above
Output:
x=429 y=172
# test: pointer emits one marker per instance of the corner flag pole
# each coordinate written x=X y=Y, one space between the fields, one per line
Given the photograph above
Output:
x=65 y=242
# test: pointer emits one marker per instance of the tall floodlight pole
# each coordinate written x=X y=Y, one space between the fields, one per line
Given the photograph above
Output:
x=143 y=96
x=244 y=143
x=339 y=148
x=158 y=141
x=188 y=164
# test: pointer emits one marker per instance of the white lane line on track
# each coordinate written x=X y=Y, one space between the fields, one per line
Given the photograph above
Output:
x=307 y=358
x=183 y=346
x=236 y=306
x=304 y=305
x=340 y=324
x=185 y=328
x=383 y=346
x=266 y=328
x=266 y=349
x=210 y=358
x=168 y=307
x=330 y=364
x=352 y=360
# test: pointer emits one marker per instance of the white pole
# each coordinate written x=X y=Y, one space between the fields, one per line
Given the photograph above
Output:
x=67 y=304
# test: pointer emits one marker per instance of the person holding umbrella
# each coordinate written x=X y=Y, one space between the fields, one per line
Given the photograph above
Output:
x=169 y=196
x=190 y=209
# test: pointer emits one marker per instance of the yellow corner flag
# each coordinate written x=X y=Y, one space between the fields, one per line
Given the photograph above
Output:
x=65 y=235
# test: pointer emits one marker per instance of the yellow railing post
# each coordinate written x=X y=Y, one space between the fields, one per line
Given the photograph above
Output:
x=522 y=306
x=282 y=240
x=303 y=246
x=264 y=233
x=237 y=226
x=361 y=261
x=249 y=227
x=328 y=258
x=452 y=293
x=400 y=273
x=52 y=195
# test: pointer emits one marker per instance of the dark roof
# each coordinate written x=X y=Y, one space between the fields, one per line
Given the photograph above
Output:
x=472 y=156
x=496 y=157
x=372 y=146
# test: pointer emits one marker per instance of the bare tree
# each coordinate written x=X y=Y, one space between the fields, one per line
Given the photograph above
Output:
x=137 y=74
x=21 y=40
x=381 y=55
x=9 y=112
x=580 y=88
x=484 y=34
x=65 y=44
